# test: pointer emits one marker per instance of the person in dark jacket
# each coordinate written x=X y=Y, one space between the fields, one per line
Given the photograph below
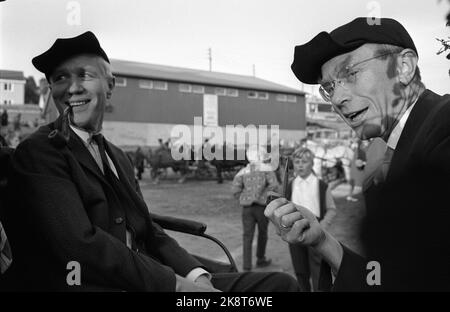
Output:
x=83 y=206
x=370 y=74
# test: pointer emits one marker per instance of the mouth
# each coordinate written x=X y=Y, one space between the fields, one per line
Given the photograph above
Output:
x=77 y=103
x=356 y=116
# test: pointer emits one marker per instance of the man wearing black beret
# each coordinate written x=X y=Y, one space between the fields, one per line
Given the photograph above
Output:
x=83 y=204
x=369 y=73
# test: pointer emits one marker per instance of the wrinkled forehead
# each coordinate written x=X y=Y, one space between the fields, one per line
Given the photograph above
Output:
x=332 y=67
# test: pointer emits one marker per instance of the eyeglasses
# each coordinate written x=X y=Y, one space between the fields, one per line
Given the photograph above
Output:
x=346 y=76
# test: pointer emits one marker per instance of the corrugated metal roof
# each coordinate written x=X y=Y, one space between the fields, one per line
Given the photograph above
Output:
x=163 y=72
x=11 y=74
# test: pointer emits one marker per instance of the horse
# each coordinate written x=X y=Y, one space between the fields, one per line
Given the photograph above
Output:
x=333 y=161
x=225 y=165
x=162 y=158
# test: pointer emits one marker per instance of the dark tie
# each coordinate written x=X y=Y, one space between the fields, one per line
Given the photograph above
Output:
x=5 y=251
x=100 y=140
x=120 y=191
x=379 y=157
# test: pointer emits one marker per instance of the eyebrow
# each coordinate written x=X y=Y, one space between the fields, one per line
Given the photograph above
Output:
x=347 y=61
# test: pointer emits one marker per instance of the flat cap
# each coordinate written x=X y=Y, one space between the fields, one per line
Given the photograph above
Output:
x=309 y=57
x=65 y=48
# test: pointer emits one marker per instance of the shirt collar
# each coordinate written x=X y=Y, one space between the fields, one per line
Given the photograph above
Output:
x=308 y=179
x=84 y=135
x=397 y=132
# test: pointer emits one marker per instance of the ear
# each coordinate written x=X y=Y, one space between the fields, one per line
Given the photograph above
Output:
x=111 y=85
x=406 y=66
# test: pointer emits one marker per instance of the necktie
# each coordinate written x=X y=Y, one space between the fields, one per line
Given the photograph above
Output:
x=5 y=251
x=113 y=181
x=386 y=163
x=107 y=171
x=379 y=157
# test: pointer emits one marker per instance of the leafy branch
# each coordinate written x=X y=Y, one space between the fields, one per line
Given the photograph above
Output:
x=445 y=46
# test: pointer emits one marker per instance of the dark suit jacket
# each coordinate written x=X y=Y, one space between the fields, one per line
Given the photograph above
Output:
x=407 y=224
x=61 y=214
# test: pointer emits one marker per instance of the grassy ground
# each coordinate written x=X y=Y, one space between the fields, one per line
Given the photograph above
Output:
x=214 y=205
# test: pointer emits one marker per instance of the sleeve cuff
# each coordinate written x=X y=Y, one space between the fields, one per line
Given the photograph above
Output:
x=195 y=273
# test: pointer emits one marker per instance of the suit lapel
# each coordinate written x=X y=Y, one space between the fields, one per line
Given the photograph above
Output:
x=408 y=138
x=84 y=157
x=119 y=164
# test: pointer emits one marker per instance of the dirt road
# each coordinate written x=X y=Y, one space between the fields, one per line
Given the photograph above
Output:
x=214 y=205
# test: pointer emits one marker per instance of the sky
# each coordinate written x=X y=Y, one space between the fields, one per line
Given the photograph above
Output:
x=245 y=36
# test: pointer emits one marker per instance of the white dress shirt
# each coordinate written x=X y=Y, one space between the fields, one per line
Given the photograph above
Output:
x=397 y=132
x=305 y=192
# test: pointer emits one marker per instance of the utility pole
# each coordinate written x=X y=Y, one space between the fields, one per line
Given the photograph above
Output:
x=210 y=59
x=254 y=70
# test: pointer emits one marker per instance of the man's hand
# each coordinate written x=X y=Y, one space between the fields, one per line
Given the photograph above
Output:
x=296 y=224
x=185 y=285
x=324 y=224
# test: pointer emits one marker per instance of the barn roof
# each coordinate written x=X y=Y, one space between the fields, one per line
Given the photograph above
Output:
x=171 y=73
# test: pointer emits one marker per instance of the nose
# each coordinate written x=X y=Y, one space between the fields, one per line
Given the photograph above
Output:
x=75 y=86
x=340 y=97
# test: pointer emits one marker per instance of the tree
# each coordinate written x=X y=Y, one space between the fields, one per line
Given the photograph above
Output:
x=31 y=91
x=445 y=42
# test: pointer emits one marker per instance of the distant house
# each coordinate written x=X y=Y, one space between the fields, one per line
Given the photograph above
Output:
x=12 y=87
x=150 y=100
x=12 y=98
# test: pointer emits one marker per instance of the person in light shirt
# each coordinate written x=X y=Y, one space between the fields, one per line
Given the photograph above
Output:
x=312 y=193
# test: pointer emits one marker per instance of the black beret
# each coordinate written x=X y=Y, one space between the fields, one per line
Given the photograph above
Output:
x=65 y=48
x=309 y=57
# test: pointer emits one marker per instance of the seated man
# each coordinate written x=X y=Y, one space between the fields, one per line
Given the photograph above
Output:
x=82 y=203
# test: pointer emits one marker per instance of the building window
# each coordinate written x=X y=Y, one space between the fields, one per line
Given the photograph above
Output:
x=152 y=84
x=184 y=87
x=7 y=101
x=281 y=97
x=292 y=98
x=198 y=89
x=159 y=85
x=324 y=108
x=252 y=94
x=263 y=95
x=145 y=84
x=220 y=91
x=121 y=82
x=8 y=86
x=232 y=92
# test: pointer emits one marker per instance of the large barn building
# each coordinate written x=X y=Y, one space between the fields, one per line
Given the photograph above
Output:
x=150 y=100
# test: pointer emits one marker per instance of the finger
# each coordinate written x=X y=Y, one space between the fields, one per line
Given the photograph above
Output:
x=289 y=219
x=306 y=213
x=270 y=208
x=280 y=212
x=296 y=234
